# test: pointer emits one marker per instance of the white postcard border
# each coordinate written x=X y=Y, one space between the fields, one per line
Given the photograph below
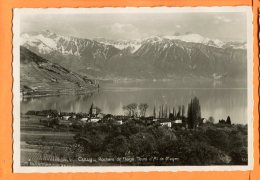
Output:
x=17 y=168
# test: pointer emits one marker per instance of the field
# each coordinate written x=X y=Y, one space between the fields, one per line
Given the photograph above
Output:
x=33 y=134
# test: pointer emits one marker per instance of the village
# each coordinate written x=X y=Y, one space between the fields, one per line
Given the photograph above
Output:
x=162 y=116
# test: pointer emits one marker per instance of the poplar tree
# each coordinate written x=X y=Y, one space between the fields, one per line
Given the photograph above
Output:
x=194 y=113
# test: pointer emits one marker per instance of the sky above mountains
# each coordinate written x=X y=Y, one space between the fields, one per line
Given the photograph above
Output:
x=223 y=26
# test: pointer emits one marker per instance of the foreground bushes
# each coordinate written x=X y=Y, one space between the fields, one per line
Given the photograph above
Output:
x=207 y=145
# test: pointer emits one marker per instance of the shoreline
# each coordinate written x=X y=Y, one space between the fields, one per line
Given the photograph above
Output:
x=49 y=93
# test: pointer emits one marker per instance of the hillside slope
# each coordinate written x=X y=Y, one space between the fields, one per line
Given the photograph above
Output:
x=40 y=77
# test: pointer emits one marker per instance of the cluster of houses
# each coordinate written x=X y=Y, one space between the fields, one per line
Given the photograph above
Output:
x=169 y=123
x=116 y=119
x=95 y=116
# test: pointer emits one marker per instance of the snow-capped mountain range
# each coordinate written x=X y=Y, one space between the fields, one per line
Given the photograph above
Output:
x=48 y=41
x=164 y=56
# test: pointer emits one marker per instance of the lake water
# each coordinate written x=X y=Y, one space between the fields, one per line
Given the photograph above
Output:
x=217 y=99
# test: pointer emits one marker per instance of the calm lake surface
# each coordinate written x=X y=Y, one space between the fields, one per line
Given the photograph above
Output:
x=217 y=99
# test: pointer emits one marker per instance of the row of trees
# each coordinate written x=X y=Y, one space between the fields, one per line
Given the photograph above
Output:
x=132 y=109
x=166 y=112
x=193 y=114
x=228 y=121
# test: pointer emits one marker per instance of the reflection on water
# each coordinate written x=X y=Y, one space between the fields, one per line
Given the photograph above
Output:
x=217 y=101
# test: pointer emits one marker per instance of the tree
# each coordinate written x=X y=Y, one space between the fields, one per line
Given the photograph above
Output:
x=228 y=121
x=55 y=122
x=142 y=108
x=162 y=112
x=179 y=112
x=165 y=137
x=166 y=112
x=201 y=153
x=129 y=128
x=173 y=113
x=118 y=146
x=211 y=120
x=183 y=111
x=222 y=121
x=194 y=113
x=132 y=107
x=142 y=144
x=127 y=110
x=98 y=110
x=171 y=116
x=154 y=112
x=169 y=111
x=91 y=109
x=218 y=139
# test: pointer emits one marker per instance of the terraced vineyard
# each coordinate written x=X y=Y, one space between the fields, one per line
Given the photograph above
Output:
x=39 y=77
x=39 y=143
x=35 y=159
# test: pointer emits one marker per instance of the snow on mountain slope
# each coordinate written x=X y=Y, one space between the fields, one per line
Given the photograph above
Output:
x=196 y=38
x=132 y=45
x=47 y=42
x=235 y=45
x=44 y=42
x=44 y=45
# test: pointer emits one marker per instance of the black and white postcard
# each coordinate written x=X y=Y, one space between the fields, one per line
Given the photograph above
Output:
x=132 y=89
